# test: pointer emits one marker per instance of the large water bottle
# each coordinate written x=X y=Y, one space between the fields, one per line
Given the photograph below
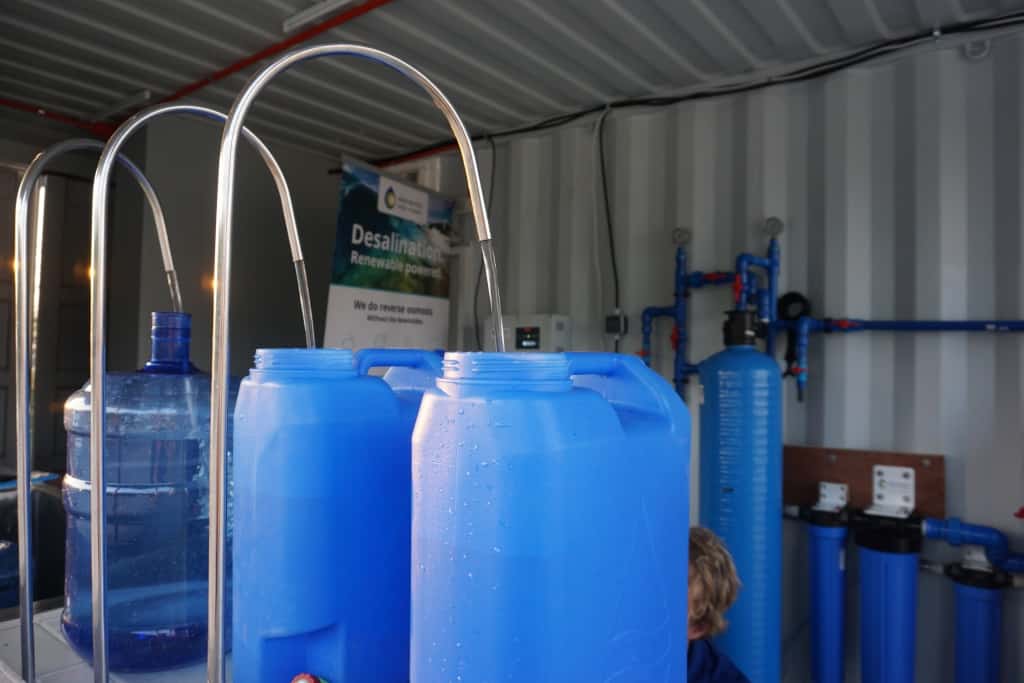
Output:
x=550 y=522
x=322 y=505
x=157 y=508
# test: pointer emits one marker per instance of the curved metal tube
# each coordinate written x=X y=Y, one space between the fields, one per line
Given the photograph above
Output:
x=97 y=341
x=221 y=301
x=25 y=336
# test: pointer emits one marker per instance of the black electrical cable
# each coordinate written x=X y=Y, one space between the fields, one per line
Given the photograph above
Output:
x=480 y=271
x=799 y=74
x=608 y=218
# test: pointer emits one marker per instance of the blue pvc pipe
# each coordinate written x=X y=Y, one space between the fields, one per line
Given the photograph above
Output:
x=888 y=614
x=684 y=281
x=979 y=613
x=764 y=298
x=679 y=363
x=647 y=327
x=855 y=325
x=805 y=326
x=828 y=587
x=956 y=533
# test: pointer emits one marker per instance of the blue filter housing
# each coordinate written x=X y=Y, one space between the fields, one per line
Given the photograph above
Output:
x=979 y=622
x=322 y=506
x=550 y=521
x=157 y=506
x=741 y=490
x=826 y=535
x=888 y=552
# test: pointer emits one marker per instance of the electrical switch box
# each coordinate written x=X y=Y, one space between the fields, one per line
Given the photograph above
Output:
x=547 y=333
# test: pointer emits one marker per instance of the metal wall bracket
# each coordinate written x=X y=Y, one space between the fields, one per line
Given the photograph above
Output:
x=892 y=492
x=832 y=497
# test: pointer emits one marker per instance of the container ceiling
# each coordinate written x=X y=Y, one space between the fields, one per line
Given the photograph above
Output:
x=503 y=63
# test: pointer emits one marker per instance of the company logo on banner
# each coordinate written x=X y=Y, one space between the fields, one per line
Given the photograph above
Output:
x=403 y=201
x=389 y=285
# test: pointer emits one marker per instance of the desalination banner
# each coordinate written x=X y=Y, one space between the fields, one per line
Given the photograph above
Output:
x=389 y=283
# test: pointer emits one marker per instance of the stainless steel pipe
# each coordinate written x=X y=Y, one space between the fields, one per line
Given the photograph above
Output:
x=25 y=334
x=97 y=342
x=222 y=295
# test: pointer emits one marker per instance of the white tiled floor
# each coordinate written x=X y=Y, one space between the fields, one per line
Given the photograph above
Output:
x=57 y=663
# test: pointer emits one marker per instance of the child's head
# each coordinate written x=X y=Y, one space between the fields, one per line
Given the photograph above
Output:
x=713 y=584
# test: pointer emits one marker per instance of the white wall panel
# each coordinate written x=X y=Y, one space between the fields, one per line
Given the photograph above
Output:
x=900 y=188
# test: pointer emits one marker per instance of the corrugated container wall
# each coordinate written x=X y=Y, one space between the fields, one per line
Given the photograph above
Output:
x=900 y=186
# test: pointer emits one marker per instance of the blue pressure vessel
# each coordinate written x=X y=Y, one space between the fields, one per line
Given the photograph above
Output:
x=322 y=504
x=157 y=506
x=550 y=525
x=979 y=622
x=741 y=490
x=826 y=535
x=888 y=552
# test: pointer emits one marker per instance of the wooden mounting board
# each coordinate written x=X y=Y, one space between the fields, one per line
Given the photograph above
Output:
x=804 y=467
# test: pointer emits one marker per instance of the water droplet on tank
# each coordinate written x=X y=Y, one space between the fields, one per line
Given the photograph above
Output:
x=469 y=575
x=496 y=549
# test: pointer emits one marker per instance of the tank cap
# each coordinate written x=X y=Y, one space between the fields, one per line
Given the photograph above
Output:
x=303 y=359
x=170 y=340
x=509 y=367
x=740 y=328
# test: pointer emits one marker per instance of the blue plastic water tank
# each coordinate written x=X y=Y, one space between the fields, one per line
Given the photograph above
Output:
x=550 y=521
x=741 y=491
x=157 y=450
x=322 y=498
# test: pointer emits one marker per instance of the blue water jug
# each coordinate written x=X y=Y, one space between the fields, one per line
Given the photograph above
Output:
x=550 y=521
x=157 y=507
x=322 y=505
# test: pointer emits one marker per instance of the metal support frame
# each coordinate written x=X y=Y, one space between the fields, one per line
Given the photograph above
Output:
x=25 y=332
x=222 y=295
x=98 y=362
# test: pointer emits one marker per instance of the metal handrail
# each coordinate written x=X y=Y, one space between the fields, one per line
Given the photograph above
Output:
x=25 y=335
x=221 y=300
x=98 y=363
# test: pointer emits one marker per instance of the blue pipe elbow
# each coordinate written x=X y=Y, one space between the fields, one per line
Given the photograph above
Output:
x=957 y=533
x=742 y=280
x=647 y=328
